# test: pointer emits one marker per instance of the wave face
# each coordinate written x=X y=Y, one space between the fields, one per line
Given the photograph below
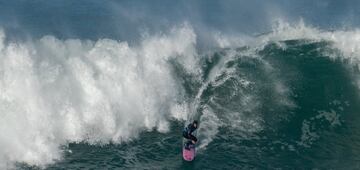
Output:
x=284 y=99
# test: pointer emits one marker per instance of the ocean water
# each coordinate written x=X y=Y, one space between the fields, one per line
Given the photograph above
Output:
x=89 y=85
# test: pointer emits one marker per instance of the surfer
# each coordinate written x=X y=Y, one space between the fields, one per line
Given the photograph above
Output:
x=187 y=133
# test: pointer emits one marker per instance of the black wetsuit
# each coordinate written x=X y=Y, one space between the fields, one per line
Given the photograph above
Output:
x=187 y=132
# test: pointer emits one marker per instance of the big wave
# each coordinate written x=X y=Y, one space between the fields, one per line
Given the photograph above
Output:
x=54 y=92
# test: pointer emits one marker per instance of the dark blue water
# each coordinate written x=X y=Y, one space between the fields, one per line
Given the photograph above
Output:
x=110 y=85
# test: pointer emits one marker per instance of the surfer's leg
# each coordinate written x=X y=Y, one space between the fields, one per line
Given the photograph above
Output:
x=188 y=144
x=193 y=138
x=185 y=135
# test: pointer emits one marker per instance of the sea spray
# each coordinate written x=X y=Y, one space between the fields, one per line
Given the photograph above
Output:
x=54 y=92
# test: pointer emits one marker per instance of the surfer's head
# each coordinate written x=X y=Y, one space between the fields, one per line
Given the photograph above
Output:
x=195 y=123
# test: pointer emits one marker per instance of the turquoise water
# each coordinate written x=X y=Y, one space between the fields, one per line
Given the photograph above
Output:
x=90 y=85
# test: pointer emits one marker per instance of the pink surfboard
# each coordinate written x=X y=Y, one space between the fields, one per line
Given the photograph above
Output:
x=189 y=155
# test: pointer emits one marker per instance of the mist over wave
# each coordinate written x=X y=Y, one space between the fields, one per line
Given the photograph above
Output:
x=54 y=92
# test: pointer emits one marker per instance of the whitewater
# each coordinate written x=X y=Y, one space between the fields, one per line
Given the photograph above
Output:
x=106 y=92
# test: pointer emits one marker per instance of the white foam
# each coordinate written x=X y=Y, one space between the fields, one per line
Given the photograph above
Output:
x=208 y=127
x=347 y=41
x=53 y=92
x=57 y=91
x=311 y=130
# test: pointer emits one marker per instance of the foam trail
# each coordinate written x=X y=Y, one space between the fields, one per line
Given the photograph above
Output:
x=209 y=127
x=209 y=122
x=53 y=92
